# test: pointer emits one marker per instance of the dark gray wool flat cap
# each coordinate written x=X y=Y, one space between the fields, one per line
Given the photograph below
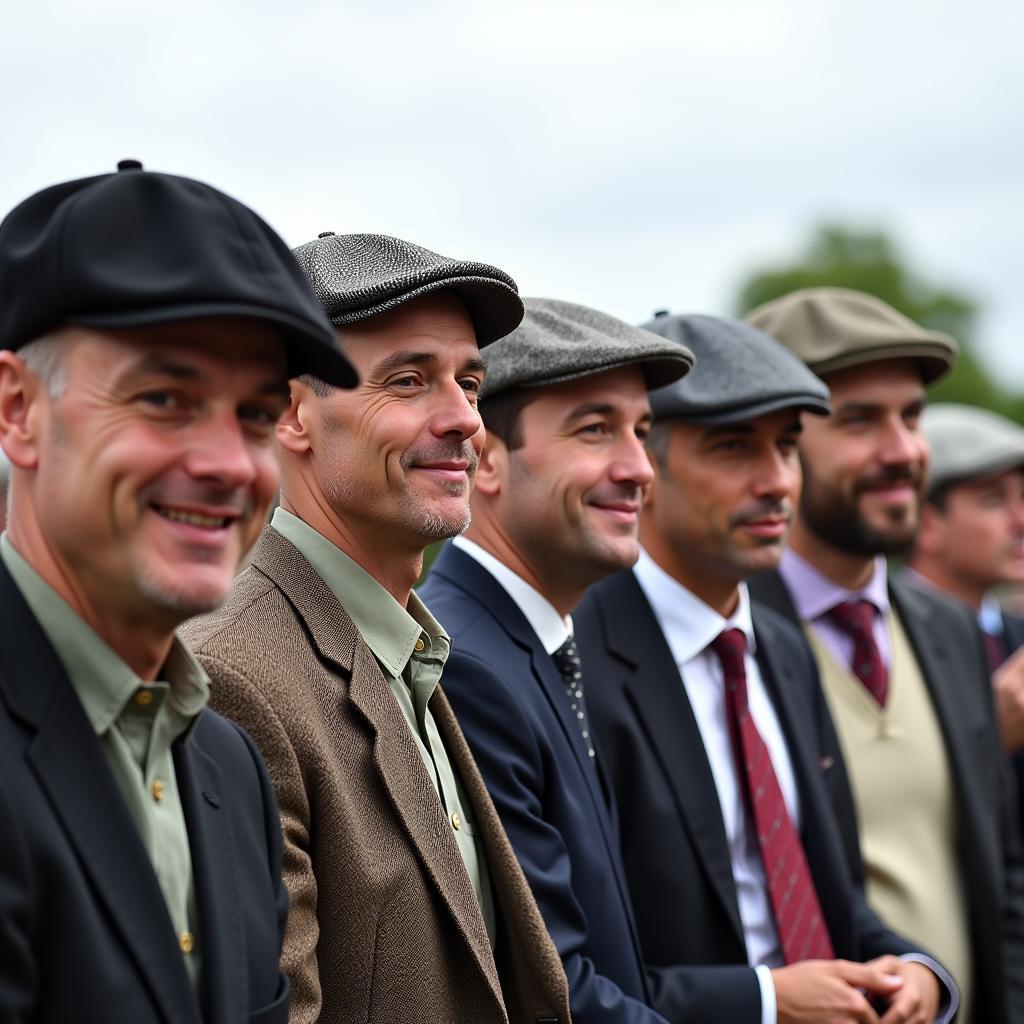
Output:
x=969 y=443
x=741 y=373
x=833 y=329
x=560 y=341
x=359 y=276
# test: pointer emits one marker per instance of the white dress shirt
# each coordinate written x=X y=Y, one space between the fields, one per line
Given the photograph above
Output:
x=689 y=626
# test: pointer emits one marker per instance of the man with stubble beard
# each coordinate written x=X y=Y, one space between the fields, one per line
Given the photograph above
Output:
x=407 y=904
x=904 y=672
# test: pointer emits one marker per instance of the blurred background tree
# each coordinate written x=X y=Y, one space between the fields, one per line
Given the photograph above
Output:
x=868 y=260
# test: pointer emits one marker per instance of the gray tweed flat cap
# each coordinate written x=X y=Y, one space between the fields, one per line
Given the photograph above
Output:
x=969 y=443
x=741 y=373
x=560 y=341
x=835 y=328
x=359 y=276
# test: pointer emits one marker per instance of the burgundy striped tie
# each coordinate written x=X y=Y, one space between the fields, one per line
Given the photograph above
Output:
x=798 y=918
x=857 y=620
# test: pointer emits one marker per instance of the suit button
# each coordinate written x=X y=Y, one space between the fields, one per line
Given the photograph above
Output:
x=456 y=821
x=157 y=789
x=420 y=644
x=186 y=942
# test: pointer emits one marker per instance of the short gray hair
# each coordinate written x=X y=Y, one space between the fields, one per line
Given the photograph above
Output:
x=45 y=357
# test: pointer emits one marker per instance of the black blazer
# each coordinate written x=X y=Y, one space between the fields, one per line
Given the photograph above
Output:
x=1013 y=634
x=673 y=838
x=951 y=654
x=84 y=931
x=510 y=701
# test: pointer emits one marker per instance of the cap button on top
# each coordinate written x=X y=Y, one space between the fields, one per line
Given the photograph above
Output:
x=129 y=165
x=325 y=234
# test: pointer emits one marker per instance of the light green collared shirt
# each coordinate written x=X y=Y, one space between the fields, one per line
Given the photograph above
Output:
x=136 y=722
x=411 y=648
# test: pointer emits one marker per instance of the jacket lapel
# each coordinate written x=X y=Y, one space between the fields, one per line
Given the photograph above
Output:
x=69 y=762
x=654 y=687
x=212 y=844
x=395 y=755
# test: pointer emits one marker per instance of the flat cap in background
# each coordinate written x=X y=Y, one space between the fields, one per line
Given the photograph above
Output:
x=561 y=341
x=356 y=277
x=138 y=248
x=835 y=328
x=969 y=443
x=740 y=373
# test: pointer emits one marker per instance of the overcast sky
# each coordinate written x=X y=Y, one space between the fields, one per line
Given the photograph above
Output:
x=634 y=155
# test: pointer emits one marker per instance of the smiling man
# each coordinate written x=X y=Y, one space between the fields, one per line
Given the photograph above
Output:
x=150 y=326
x=557 y=503
x=904 y=672
x=711 y=719
x=407 y=905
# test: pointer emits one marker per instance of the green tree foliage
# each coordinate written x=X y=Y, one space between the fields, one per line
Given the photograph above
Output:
x=867 y=260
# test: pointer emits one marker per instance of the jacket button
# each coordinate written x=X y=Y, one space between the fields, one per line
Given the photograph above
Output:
x=186 y=942
x=456 y=821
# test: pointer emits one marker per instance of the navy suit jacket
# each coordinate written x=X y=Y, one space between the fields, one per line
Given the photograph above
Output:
x=510 y=701
x=951 y=654
x=674 y=843
x=85 y=935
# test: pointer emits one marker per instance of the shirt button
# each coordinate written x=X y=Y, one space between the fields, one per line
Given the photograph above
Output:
x=420 y=644
x=456 y=821
x=144 y=698
x=157 y=789
x=186 y=942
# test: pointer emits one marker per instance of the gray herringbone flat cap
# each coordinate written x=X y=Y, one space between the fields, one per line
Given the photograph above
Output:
x=836 y=328
x=560 y=341
x=740 y=373
x=969 y=443
x=360 y=276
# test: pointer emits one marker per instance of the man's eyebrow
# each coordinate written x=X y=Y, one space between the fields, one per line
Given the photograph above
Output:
x=475 y=365
x=395 y=361
x=165 y=366
x=859 y=407
x=726 y=429
x=589 y=409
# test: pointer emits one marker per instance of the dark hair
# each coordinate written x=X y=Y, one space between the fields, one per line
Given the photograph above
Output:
x=501 y=415
x=658 y=442
x=317 y=386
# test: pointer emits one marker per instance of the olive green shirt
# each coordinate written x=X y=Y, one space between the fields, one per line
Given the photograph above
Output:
x=411 y=648
x=136 y=722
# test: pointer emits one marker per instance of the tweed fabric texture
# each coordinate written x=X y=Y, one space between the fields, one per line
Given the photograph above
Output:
x=137 y=248
x=561 y=341
x=968 y=443
x=383 y=924
x=740 y=373
x=359 y=276
x=835 y=328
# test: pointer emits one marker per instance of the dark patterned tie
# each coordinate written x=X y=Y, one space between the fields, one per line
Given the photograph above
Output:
x=857 y=620
x=569 y=665
x=798 y=918
x=995 y=648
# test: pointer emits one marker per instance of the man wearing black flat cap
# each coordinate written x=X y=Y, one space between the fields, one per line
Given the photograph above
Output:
x=149 y=326
x=556 y=507
x=407 y=905
x=709 y=714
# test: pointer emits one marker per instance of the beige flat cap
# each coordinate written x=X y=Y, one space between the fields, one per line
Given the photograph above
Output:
x=836 y=328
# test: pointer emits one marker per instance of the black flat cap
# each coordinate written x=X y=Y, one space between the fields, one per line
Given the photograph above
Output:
x=356 y=277
x=741 y=373
x=560 y=341
x=136 y=248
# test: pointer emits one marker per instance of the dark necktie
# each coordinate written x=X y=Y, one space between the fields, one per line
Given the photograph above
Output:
x=995 y=648
x=857 y=620
x=798 y=918
x=571 y=668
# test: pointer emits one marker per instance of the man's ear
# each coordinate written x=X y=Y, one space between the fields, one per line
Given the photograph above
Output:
x=22 y=394
x=492 y=472
x=293 y=425
x=931 y=533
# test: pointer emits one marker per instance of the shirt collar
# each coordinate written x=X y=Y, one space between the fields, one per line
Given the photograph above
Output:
x=688 y=623
x=814 y=593
x=101 y=679
x=390 y=631
x=551 y=628
x=990 y=615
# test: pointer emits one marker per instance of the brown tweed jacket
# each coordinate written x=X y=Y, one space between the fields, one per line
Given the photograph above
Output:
x=383 y=925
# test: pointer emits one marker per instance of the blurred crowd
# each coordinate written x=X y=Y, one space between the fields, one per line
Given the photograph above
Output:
x=707 y=711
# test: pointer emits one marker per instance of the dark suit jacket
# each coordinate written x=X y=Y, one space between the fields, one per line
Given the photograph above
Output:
x=1013 y=634
x=511 y=703
x=384 y=926
x=951 y=655
x=673 y=838
x=84 y=931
